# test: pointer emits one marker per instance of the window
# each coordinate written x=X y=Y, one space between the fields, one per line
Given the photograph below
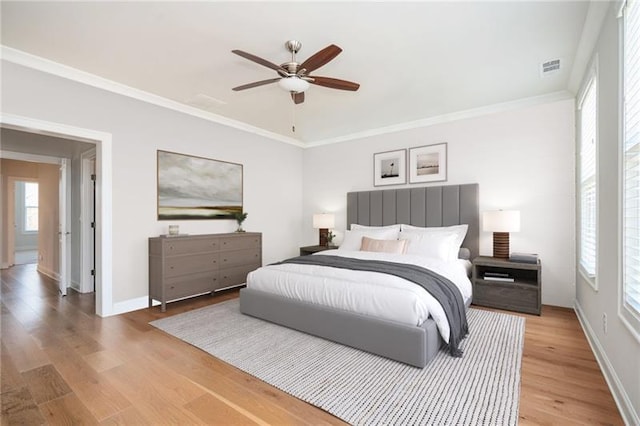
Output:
x=587 y=179
x=30 y=207
x=631 y=165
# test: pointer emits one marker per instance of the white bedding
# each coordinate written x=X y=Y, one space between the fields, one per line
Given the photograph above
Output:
x=369 y=293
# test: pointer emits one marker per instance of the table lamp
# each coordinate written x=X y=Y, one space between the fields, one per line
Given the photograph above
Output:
x=501 y=222
x=324 y=221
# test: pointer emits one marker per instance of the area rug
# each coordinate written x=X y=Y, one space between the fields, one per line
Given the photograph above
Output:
x=481 y=388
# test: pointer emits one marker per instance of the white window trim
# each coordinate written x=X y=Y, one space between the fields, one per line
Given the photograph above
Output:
x=628 y=316
x=591 y=75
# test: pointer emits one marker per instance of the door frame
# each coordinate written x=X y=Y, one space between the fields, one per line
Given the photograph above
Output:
x=86 y=194
x=104 y=204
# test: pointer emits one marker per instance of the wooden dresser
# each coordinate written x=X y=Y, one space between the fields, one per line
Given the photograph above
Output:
x=187 y=266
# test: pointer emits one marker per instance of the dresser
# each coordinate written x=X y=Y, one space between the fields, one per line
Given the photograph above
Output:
x=185 y=266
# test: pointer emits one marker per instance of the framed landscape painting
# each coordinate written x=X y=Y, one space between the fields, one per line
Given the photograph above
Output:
x=389 y=168
x=197 y=188
x=428 y=163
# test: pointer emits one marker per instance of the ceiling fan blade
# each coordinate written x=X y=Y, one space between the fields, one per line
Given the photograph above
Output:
x=255 y=84
x=334 y=83
x=321 y=58
x=298 y=98
x=258 y=60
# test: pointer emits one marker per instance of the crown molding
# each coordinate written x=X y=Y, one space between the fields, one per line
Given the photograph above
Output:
x=447 y=118
x=45 y=65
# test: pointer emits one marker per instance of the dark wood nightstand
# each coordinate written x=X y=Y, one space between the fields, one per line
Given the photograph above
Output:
x=514 y=286
x=304 y=251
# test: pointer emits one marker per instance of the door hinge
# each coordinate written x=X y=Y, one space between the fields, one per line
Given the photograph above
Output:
x=93 y=272
x=93 y=177
x=93 y=224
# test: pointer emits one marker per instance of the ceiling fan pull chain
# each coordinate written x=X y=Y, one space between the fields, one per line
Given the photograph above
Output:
x=293 y=118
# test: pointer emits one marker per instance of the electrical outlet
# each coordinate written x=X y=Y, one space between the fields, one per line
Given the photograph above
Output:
x=604 y=322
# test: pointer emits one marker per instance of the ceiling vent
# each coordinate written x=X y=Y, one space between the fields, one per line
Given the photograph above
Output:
x=549 y=67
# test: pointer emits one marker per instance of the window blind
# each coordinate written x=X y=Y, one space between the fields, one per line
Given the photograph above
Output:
x=631 y=159
x=588 y=117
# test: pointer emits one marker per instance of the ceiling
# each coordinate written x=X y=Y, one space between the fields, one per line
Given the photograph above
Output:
x=414 y=61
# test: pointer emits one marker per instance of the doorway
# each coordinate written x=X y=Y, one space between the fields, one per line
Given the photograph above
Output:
x=47 y=179
x=103 y=233
x=25 y=223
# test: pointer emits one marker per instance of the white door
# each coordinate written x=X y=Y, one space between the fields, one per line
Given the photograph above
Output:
x=63 y=231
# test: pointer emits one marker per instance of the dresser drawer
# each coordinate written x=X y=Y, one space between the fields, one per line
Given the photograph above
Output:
x=186 y=246
x=190 y=285
x=235 y=276
x=230 y=259
x=190 y=264
x=240 y=242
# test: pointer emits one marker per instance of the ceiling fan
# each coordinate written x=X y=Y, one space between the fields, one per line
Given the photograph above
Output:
x=294 y=76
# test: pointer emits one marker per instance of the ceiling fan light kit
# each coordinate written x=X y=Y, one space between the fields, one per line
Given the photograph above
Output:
x=293 y=84
x=294 y=76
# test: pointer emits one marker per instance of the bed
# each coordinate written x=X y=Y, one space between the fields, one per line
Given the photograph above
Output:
x=412 y=343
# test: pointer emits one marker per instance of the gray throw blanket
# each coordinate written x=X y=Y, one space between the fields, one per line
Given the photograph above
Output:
x=443 y=290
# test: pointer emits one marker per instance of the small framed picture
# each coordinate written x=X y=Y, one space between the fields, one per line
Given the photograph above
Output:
x=390 y=168
x=428 y=163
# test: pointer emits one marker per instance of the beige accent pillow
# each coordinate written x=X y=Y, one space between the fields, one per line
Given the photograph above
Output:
x=383 y=246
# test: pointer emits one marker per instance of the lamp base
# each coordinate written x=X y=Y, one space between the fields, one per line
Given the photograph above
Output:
x=324 y=237
x=501 y=245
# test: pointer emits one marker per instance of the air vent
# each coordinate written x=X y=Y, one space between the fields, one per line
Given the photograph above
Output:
x=550 y=67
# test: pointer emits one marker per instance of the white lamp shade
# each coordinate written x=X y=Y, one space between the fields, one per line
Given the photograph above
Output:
x=324 y=220
x=293 y=84
x=501 y=221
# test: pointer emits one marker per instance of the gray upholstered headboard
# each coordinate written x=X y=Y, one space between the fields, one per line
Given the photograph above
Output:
x=424 y=206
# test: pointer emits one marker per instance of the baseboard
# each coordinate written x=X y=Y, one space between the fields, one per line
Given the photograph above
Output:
x=48 y=272
x=629 y=416
x=5 y=265
x=76 y=286
x=132 y=305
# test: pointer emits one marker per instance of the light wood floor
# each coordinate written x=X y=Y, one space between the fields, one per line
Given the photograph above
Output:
x=62 y=364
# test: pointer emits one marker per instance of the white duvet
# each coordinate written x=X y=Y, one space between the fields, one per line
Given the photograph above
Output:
x=368 y=293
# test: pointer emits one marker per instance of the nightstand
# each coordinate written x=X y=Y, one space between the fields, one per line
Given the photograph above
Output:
x=304 y=251
x=514 y=286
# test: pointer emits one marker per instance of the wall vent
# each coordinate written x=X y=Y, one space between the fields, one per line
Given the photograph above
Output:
x=550 y=67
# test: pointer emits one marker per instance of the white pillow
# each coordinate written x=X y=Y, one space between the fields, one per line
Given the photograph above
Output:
x=353 y=239
x=355 y=226
x=436 y=245
x=459 y=230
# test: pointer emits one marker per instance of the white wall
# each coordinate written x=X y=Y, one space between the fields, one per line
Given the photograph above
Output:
x=522 y=159
x=617 y=349
x=272 y=170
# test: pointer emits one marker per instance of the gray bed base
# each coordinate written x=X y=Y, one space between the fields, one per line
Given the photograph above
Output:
x=413 y=345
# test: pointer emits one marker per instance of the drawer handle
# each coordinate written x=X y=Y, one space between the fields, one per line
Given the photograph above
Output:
x=171 y=267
